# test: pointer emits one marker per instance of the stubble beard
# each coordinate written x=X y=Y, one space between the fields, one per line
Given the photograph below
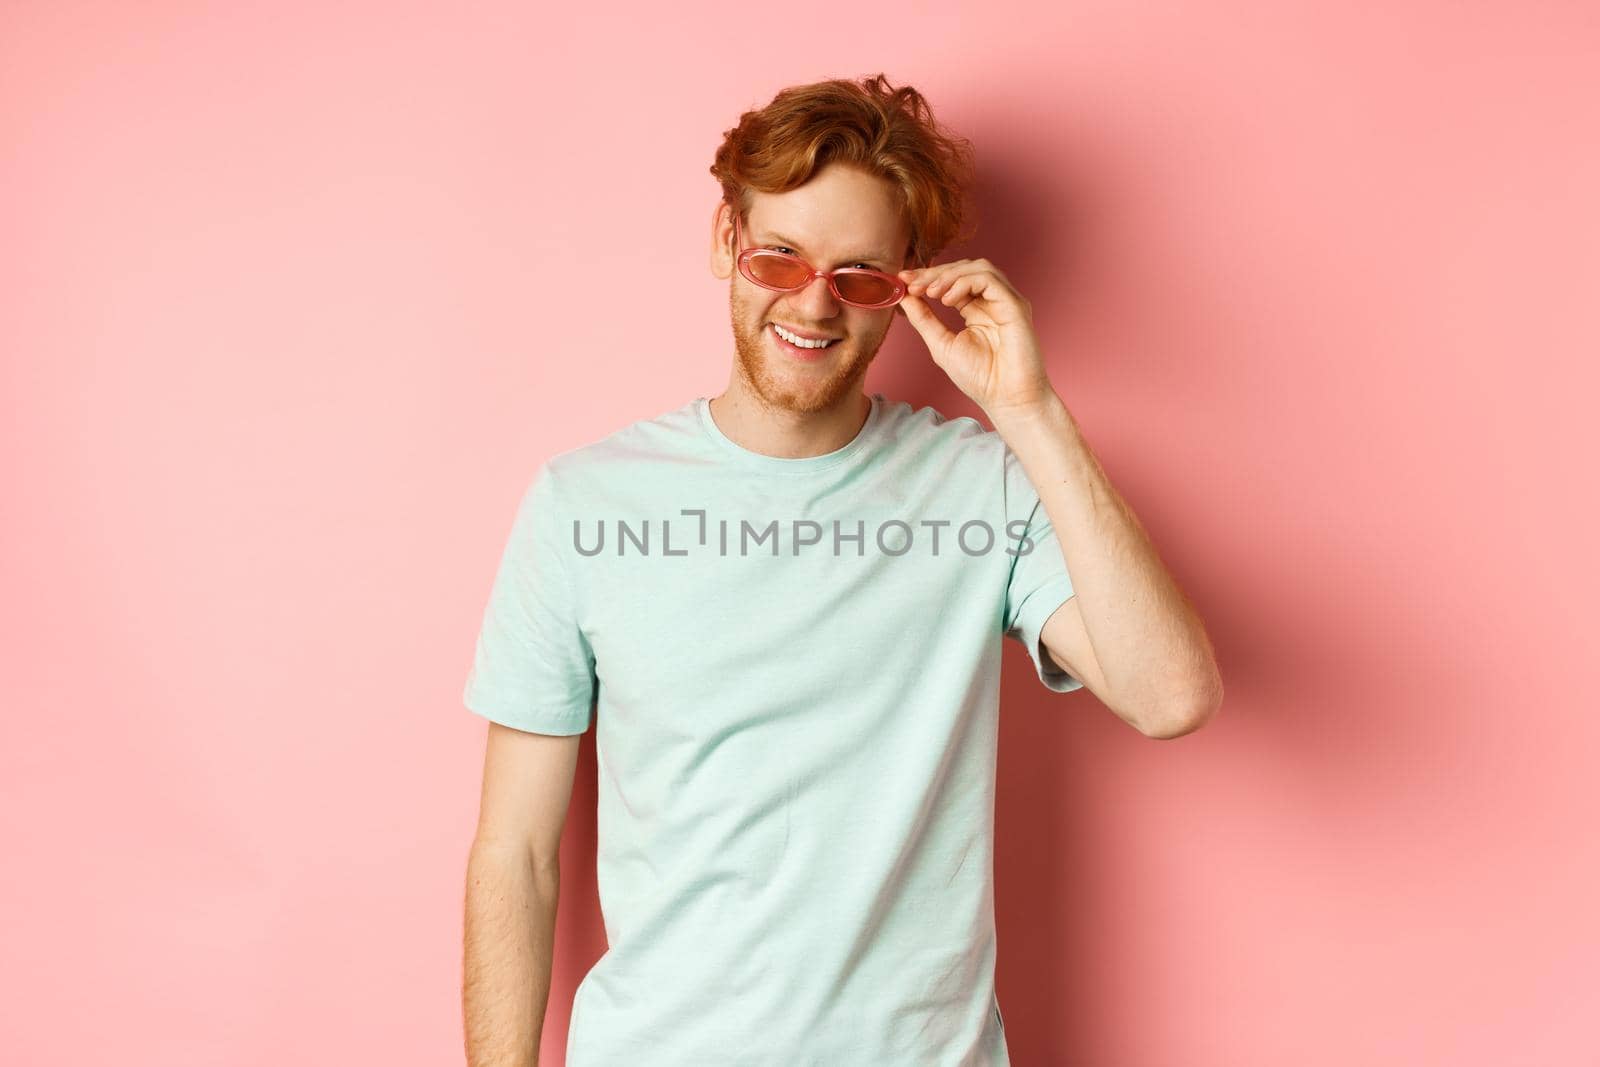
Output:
x=795 y=387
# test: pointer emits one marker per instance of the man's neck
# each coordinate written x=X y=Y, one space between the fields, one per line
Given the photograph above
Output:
x=785 y=434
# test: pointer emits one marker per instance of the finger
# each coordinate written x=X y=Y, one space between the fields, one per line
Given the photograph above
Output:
x=969 y=268
x=963 y=290
x=935 y=333
x=983 y=264
x=920 y=278
x=1000 y=301
x=937 y=286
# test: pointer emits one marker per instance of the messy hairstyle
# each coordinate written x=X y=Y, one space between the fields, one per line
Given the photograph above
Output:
x=887 y=132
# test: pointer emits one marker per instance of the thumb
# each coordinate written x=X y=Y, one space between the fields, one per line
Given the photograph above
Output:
x=935 y=333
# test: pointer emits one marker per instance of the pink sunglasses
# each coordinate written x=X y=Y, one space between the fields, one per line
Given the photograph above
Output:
x=784 y=273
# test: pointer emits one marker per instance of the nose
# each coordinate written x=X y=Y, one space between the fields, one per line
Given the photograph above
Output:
x=817 y=301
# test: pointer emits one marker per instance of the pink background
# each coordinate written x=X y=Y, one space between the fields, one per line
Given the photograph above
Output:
x=296 y=298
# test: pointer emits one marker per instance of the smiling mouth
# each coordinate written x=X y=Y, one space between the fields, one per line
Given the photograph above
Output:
x=800 y=343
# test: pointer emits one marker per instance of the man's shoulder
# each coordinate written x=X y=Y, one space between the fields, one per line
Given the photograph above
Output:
x=928 y=431
x=650 y=438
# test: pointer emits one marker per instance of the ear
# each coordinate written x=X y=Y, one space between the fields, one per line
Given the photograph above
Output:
x=722 y=241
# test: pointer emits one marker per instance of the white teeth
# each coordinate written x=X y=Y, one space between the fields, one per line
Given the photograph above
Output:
x=798 y=342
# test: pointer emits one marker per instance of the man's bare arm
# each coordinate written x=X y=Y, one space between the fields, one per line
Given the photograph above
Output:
x=513 y=884
x=1154 y=662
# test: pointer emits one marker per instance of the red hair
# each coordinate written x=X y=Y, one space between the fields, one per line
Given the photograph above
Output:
x=887 y=132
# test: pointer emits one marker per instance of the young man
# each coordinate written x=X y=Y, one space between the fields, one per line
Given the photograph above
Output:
x=782 y=608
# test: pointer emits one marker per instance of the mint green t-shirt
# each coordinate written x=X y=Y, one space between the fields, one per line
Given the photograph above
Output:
x=793 y=670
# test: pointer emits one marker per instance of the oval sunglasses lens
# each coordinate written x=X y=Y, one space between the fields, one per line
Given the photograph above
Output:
x=776 y=270
x=864 y=288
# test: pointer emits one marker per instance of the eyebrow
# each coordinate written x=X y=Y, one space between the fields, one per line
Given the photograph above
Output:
x=871 y=257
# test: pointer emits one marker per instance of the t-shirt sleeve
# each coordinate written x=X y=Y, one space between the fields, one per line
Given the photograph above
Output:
x=533 y=668
x=1038 y=583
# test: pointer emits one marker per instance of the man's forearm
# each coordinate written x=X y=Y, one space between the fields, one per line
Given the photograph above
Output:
x=508 y=947
x=1148 y=639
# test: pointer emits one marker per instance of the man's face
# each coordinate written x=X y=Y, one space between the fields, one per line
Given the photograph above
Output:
x=842 y=217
